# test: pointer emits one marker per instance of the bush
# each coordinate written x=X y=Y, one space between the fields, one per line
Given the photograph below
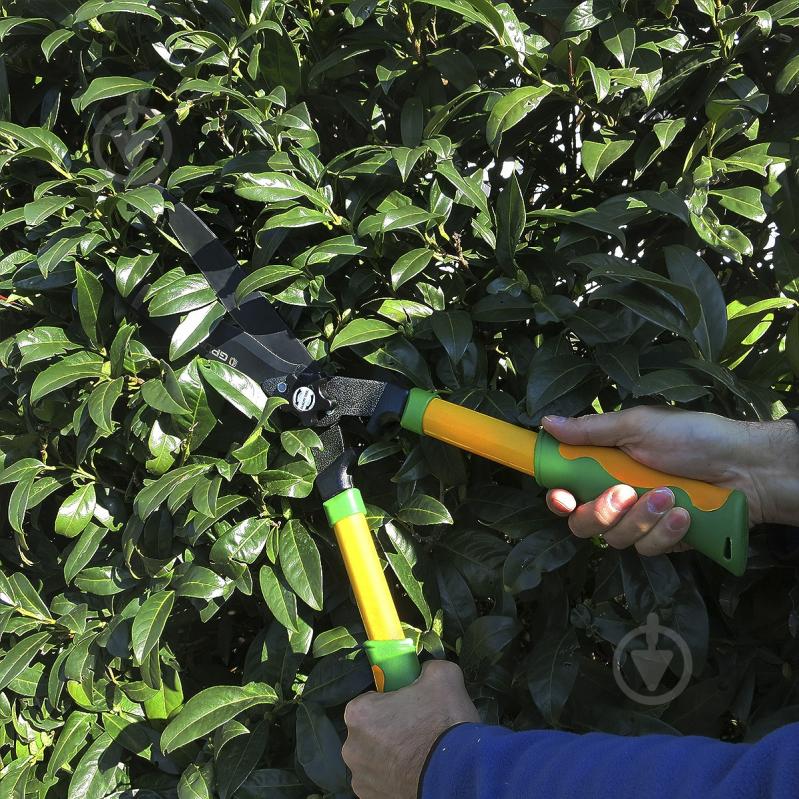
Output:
x=542 y=207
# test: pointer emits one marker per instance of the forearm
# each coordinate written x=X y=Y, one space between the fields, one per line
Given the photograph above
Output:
x=774 y=447
x=475 y=761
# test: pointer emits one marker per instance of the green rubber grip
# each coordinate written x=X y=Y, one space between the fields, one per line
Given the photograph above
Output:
x=721 y=534
x=394 y=663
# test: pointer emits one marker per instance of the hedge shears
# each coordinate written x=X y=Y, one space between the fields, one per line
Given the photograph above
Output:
x=253 y=338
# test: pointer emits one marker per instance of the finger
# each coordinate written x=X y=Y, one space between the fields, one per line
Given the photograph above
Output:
x=600 y=429
x=641 y=518
x=606 y=511
x=561 y=502
x=667 y=534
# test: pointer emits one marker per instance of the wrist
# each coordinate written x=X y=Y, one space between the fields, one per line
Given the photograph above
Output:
x=775 y=473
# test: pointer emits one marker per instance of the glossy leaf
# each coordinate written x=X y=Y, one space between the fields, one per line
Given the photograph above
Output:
x=209 y=709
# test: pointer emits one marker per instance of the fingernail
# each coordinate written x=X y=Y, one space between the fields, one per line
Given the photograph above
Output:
x=660 y=501
x=678 y=521
x=621 y=497
x=555 y=420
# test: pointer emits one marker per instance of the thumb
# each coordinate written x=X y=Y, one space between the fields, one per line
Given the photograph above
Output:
x=601 y=429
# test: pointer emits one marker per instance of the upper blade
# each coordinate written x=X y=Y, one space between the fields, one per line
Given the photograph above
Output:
x=270 y=337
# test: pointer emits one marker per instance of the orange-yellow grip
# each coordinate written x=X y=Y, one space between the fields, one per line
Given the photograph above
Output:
x=368 y=581
x=393 y=657
x=470 y=430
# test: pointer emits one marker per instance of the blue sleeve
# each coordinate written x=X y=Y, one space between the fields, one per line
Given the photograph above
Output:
x=477 y=761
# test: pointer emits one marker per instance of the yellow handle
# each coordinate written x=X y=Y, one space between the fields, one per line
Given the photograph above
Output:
x=367 y=578
x=480 y=434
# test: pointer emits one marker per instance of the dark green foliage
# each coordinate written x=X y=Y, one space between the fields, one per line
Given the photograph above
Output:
x=536 y=207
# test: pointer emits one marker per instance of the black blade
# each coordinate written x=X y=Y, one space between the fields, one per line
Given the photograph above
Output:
x=264 y=335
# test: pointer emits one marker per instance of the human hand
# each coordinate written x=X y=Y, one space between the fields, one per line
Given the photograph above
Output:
x=390 y=735
x=759 y=458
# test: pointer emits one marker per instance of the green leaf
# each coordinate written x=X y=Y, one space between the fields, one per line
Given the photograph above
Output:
x=600 y=155
x=182 y=295
x=319 y=748
x=38 y=211
x=149 y=623
x=90 y=293
x=408 y=265
x=744 y=201
x=361 y=331
x=43 y=342
x=96 y=8
x=154 y=494
x=237 y=758
x=601 y=79
x=19 y=656
x=163 y=447
x=688 y=269
x=552 y=672
x=20 y=501
x=194 y=329
x=252 y=454
x=83 y=550
x=210 y=709
x=193 y=784
x=157 y=395
x=240 y=390
x=301 y=563
x=291 y=480
x=95 y=774
x=618 y=35
x=279 y=62
x=673 y=384
x=244 y=542
x=76 y=511
x=725 y=239
x=279 y=599
x=331 y=641
x=404 y=217
x=71 y=739
x=422 y=509
x=54 y=40
x=104 y=88
x=454 y=331
x=200 y=583
x=788 y=78
x=270 y=187
x=101 y=404
x=616 y=268
x=510 y=222
x=15 y=778
x=539 y=553
x=129 y=272
x=265 y=277
x=469 y=187
x=69 y=370
x=511 y=109
x=38 y=139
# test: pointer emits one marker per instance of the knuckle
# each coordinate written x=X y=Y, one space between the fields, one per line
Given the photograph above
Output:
x=355 y=712
x=441 y=670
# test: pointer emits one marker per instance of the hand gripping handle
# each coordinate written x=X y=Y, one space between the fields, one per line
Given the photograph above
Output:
x=719 y=516
x=392 y=655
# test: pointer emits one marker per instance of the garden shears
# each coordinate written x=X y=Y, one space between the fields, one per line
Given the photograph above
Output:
x=254 y=339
